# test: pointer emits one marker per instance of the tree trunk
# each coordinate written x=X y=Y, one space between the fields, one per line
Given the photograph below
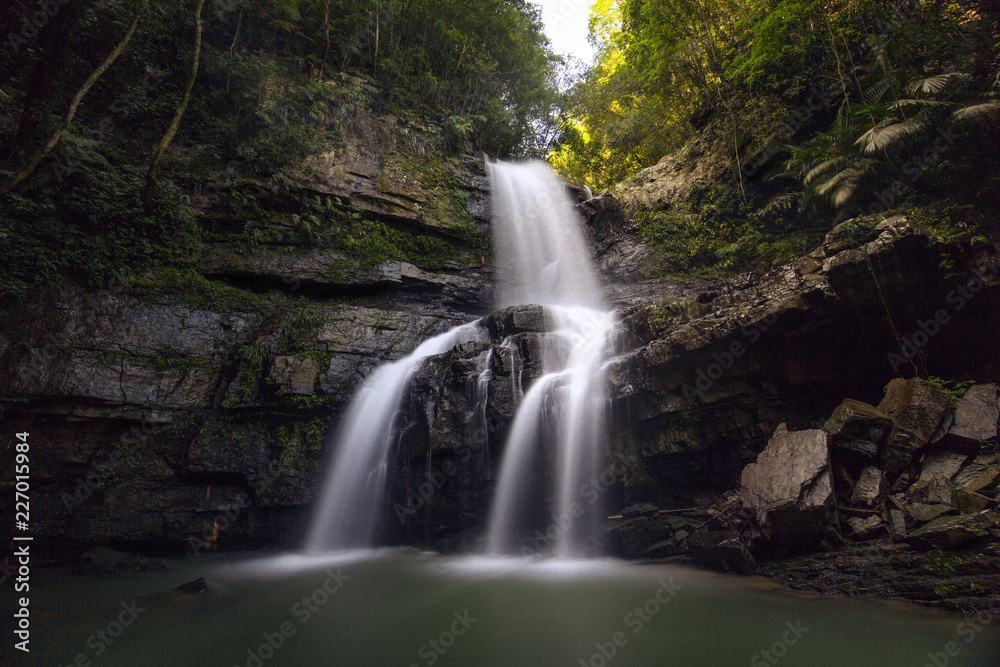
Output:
x=326 y=36
x=175 y=123
x=29 y=165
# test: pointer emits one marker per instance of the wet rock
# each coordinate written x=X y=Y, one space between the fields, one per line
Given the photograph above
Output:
x=970 y=502
x=863 y=528
x=916 y=408
x=790 y=489
x=101 y=560
x=642 y=509
x=196 y=587
x=721 y=550
x=976 y=415
x=870 y=487
x=858 y=426
x=897 y=524
x=953 y=531
x=515 y=320
x=941 y=466
x=633 y=537
x=664 y=549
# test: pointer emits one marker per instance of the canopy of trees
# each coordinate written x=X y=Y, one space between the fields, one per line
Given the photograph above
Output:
x=849 y=93
x=110 y=110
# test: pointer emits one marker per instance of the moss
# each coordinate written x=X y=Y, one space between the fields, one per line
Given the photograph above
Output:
x=194 y=290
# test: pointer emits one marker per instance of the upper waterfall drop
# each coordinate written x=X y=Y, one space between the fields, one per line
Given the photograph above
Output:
x=542 y=259
x=541 y=254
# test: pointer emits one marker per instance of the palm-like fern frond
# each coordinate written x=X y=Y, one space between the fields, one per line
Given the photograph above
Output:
x=824 y=166
x=898 y=104
x=976 y=110
x=934 y=84
x=888 y=132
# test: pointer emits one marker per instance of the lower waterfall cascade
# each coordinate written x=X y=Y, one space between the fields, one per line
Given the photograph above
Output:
x=542 y=259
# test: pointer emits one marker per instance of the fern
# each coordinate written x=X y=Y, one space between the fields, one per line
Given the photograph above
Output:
x=976 y=111
x=888 y=132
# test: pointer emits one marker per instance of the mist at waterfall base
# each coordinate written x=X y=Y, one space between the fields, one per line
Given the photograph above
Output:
x=542 y=259
x=346 y=604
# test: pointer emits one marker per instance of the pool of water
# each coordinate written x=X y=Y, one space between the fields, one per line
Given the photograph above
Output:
x=405 y=608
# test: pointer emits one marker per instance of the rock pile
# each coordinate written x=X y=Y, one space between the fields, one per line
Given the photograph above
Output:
x=919 y=468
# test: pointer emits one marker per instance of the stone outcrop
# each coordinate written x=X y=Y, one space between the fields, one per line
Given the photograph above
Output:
x=789 y=488
x=197 y=418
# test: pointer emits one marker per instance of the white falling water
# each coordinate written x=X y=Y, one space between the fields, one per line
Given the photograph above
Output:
x=352 y=500
x=543 y=259
x=541 y=253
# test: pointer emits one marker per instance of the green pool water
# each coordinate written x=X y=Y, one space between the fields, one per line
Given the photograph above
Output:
x=402 y=608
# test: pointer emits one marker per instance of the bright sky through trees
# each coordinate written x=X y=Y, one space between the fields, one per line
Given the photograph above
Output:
x=566 y=24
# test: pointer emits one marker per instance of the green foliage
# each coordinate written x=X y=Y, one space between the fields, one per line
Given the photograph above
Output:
x=956 y=390
x=83 y=238
x=714 y=232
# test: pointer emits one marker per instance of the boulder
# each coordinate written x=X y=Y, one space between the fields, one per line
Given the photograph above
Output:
x=970 y=502
x=986 y=479
x=633 y=537
x=922 y=512
x=953 y=531
x=196 y=587
x=721 y=550
x=870 y=487
x=976 y=415
x=916 y=408
x=974 y=469
x=897 y=525
x=642 y=509
x=101 y=560
x=863 y=528
x=664 y=549
x=858 y=426
x=790 y=490
x=941 y=466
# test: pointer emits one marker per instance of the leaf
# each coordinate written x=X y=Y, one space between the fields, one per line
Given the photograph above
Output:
x=933 y=84
x=876 y=92
x=821 y=167
x=926 y=103
x=976 y=110
x=883 y=135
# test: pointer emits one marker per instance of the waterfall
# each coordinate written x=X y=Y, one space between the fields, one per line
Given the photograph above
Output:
x=543 y=259
x=352 y=499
